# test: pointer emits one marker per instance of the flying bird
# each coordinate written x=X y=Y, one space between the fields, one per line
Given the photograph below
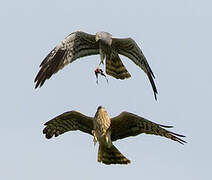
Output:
x=79 y=44
x=105 y=130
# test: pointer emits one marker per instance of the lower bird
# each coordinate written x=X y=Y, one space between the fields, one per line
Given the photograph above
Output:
x=79 y=44
x=105 y=130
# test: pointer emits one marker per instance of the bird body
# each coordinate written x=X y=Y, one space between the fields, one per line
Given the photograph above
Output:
x=107 y=152
x=101 y=124
x=105 y=130
x=79 y=44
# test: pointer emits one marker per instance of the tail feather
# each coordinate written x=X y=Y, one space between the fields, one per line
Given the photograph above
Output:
x=111 y=156
x=115 y=67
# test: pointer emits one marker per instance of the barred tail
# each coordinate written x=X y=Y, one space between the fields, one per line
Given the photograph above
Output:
x=111 y=156
x=115 y=67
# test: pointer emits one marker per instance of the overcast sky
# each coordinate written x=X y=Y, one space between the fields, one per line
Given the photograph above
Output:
x=175 y=37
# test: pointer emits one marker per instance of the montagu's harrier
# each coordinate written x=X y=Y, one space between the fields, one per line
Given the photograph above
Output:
x=79 y=44
x=105 y=130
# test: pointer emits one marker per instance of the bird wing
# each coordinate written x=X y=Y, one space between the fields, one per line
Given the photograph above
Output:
x=68 y=121
x=77 y=44
x=130 y=49
x=127 y=124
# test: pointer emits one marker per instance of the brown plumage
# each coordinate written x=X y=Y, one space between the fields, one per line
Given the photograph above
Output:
x=111 y=155
x=105 y=130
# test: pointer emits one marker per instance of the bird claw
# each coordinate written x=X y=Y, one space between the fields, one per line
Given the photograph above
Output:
x=99 y=71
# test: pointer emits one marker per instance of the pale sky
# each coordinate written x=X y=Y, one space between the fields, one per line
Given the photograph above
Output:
x=175 y=37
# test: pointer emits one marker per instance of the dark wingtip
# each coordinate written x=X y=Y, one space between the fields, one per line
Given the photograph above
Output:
x=151 y=77
x=175 y=138
x=39 y=84
x=48 y=136
x=152 y=84
x=36 y=85
x=181 y=141
x=44 y=130
x=155 y=94
x=49 y=66
x=178 y=135
x=38 y=79
x=164 y=126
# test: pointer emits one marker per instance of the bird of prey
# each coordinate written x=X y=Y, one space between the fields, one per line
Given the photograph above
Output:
x=79 y=44
x=105 y=130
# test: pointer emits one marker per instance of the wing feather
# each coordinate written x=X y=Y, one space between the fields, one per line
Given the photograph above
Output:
x=130 y=49
x=128 y=124
x=68 y=121
x=76 y=45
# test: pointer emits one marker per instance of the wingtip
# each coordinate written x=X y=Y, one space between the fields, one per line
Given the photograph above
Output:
x=152 y=84
x=165 y=126
x=181 y=141
x=174 y=137
x=36 y=80
x=48 y=136
x=155 y=94
x=36 y=85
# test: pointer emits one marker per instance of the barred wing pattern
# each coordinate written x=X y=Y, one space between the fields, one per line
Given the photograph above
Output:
x=77 y=44
x=130 y=49
x=68 y=121
x=128 y=124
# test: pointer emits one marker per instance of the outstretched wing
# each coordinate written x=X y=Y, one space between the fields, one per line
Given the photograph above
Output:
x=128 y=124
x=75 y=45
x=68 y=121
x=130 y=49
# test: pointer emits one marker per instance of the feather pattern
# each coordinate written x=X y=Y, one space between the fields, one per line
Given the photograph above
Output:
x=115 y=67
x=124 y=125
x=129 y=48
x=79 y=44
x=74 y=46
x=127 y=124
x=106 y=129
x=68 y=121
x=111 y=156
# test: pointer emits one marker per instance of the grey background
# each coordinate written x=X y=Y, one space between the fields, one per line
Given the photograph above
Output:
x=175 y=37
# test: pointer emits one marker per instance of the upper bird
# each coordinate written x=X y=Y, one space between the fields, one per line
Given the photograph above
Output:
x=79 y=44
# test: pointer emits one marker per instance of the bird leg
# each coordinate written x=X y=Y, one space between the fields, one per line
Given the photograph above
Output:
x=94 y=137
x=99 y=71
x=102 y=57
x=101 y=62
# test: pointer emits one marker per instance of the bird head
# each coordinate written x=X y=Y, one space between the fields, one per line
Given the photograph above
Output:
x=101 y=111
x=104 y=37
x=100 y=107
